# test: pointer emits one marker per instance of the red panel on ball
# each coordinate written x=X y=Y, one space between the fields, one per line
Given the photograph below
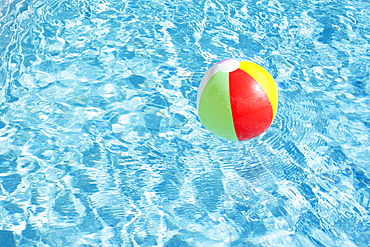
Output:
x=251 y=108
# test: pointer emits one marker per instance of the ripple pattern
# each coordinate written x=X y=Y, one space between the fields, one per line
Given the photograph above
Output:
x=100 y=144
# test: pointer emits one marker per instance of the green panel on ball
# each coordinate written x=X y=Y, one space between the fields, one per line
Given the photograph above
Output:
x=215 y=109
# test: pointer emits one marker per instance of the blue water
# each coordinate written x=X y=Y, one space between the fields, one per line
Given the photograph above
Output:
x=100 y=144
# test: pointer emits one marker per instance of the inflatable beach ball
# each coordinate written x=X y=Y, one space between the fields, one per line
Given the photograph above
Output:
x=237 y=100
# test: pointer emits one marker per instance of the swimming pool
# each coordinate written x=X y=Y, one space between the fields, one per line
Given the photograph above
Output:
x=101 y=145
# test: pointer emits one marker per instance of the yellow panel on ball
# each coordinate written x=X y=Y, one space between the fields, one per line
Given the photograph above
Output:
x=265 y=80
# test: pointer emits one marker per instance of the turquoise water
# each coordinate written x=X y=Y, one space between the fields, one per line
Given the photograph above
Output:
x=100 y=144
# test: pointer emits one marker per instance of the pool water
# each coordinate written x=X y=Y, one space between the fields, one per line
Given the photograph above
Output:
x=100 y=143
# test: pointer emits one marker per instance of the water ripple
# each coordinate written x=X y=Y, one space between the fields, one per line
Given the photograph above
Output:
x=101 y=145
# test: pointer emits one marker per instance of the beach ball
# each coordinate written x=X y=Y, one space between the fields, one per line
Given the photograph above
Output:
x=237 y=100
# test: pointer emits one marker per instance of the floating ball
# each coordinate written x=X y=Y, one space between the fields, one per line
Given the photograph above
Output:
x=237 y=100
